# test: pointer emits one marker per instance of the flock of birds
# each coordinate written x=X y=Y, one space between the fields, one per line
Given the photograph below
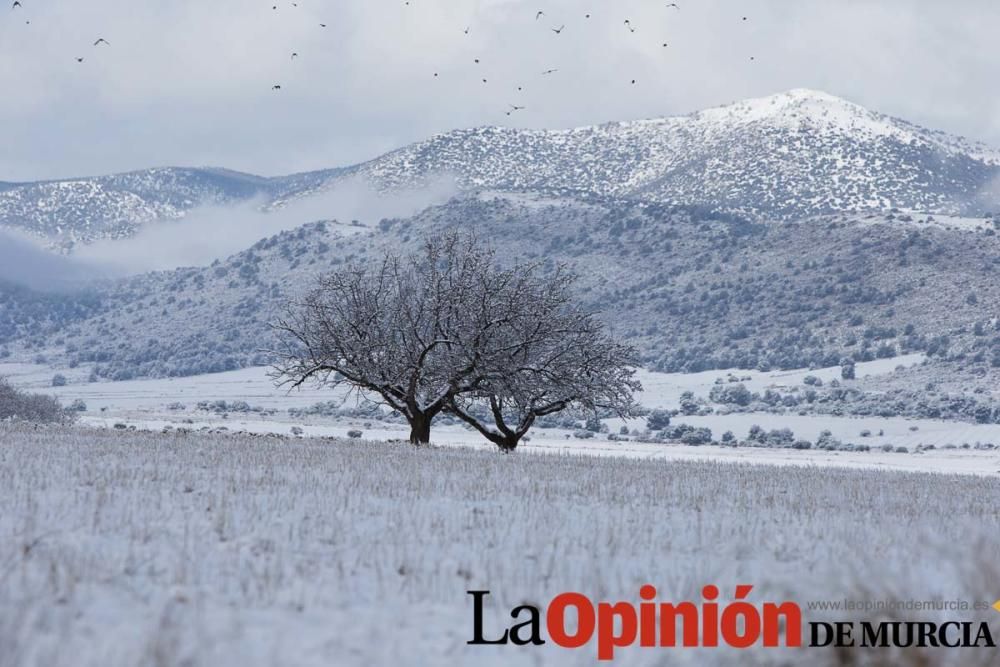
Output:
x=100 y=41
x=513 y=108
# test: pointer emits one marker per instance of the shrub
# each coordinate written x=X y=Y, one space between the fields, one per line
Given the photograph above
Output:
x=658 y=420
x=354 y=434
x=58 y=380
x=780 y=438
x=593 y=424
x=698 y=436
x=733 y=394
x=18 y=405
x=689 y=405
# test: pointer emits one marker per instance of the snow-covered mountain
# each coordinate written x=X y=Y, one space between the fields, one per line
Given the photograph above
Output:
x=784 y=157
x=109 y=207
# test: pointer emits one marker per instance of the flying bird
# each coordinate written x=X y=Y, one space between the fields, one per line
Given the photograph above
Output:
x=16 y=5
x=101 y=40
x=539 y=15
x=275 y=87
x=550 y=71
x=558 y=30
x=628 y=24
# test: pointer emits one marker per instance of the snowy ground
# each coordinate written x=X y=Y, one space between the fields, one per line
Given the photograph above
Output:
x=124 y=548
x=143 y=404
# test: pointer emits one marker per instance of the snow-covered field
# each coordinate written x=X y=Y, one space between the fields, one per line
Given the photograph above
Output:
x=124 y=548
x=144 y=405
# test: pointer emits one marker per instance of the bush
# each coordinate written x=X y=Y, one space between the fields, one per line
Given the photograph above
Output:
x=20 y=406
x=58 y=380
x=658 y=420
x=733 y=394
x=697 y=436
x=689 y=405
x=594 y=425
x=354 y=434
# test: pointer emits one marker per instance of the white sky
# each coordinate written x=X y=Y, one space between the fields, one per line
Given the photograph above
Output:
x=188 y=82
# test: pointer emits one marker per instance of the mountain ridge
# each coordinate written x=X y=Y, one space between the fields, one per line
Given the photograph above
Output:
x=783 y=157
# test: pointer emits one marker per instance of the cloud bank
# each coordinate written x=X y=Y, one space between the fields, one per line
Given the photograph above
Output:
x=206 y=234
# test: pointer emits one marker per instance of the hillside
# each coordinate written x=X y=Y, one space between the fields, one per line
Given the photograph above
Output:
x=693 y=291
x=792 y=155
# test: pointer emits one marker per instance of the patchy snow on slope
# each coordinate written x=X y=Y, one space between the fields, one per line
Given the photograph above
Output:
x=663 y=390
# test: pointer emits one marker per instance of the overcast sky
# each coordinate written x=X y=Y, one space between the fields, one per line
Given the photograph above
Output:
x=188 y=82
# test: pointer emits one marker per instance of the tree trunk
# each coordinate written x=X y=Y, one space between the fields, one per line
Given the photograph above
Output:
x=420 y=429
x=508 y=443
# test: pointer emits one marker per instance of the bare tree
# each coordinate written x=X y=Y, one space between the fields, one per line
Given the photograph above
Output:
x=554 y=356
x=395 y=330
x=448 y=328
